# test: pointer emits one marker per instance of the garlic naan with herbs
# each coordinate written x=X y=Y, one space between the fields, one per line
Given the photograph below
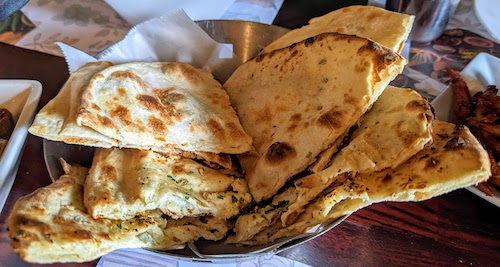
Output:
x=123 y=183
x=52 y=225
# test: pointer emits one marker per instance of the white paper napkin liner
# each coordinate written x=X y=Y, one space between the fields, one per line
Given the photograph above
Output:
x=145 y=258
x=170 y=38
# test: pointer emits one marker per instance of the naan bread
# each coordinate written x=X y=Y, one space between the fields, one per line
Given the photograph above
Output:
x=161 y=106
x=454 y=160
x=390 y=29
x=296 y=101
x=52 y=225
x=57 y=120
x=397 y=127
x=123 y=183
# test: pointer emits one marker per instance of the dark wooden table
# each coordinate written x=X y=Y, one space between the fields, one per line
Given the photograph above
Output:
x=457 y=229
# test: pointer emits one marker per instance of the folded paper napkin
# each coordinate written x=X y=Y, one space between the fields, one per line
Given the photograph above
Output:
x=173 y=37
x=145 y=258
x=92 y=25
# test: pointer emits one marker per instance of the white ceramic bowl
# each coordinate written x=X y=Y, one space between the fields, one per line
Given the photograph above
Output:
x=21 y=98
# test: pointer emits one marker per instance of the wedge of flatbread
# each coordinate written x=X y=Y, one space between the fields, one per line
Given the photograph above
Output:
x=296 y=101
x=123 y=183
x=397 y=127
x=57 y=120
x=387 y=28
x=454 y=160
x=52 y=225
x=161 y=106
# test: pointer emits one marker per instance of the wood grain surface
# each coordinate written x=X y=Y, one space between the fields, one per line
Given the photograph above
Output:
x=457 y=229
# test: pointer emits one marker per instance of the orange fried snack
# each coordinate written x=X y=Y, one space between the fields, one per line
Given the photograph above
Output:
x=481 y=113
x=462 y=104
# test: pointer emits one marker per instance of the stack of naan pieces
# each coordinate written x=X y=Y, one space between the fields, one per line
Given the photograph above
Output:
x=330 y=136
x=316 y=132
x=162 y=173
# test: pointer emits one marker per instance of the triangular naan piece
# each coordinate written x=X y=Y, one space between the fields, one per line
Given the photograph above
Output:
x=123 y=183
x=454 y=160
x=161 y=106
x=390 y=29
x=52 y=225
x=57 y=120
x=397 y=127
x=296 y=101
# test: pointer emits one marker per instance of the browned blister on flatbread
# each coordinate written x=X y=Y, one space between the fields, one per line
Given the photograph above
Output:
x=296 y=101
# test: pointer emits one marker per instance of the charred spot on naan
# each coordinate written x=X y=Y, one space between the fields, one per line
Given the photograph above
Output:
x=178 y=169
x=264 y=115
x=234 y=130
x=384 y=56
x=22 y=220
x=96 y=107
x=332 y=118
x=216 y=129
x=230 y=130
x=182 y=71
x=121 y=91
x=167 y=109
x=422 y=105
x=150 y=102
x=122 y=113
x=97 y=76
x=431 y=162
x=417 y=104
x=157 y=126
x=279 y=152
x=455 y=142
x=129 y=75
x=168 y=95
x=109 y=173
x=104 y=121
x=295 y=121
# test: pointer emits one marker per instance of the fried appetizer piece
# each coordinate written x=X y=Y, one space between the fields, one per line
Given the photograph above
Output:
x=462 y=104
